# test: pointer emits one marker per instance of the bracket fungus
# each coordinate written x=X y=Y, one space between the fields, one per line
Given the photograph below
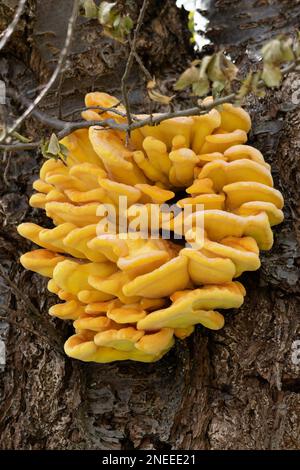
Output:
x=130 y=297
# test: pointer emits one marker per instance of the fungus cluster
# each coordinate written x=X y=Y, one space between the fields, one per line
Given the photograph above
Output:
x=130 y=298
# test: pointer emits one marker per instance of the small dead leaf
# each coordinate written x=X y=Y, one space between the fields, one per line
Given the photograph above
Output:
x=221 y=69
x=90 y=8
x=214 y=69
x=258 y=90
x=53 y=145
x=297 y=45
x=105 y=13
x=54 y=149
x=201 y=88
x=271 y=75
x=187 y=78
x=151 y=84
x=271 y=52
x=245 y=87
x=287 y=50
x=159 y=97
x=217 y=88
x=196 y=62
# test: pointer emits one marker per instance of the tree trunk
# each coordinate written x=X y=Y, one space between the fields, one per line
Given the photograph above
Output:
x=232 y=389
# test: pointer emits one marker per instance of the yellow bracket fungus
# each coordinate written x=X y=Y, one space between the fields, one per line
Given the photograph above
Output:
x=191 y=307
x=130 y=298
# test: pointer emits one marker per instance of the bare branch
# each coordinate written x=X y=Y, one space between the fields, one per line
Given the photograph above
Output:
x=111 y=109
x=196 y=111
x=59 y=124
x=112 y=124
x=291 y=67
x=148 y=77
x=142 y=66
x=62 y=56
x=107 y=123
x=50 y=121
x=130 y=62
x=136 y=123
x=20 y=146
x=10 y=29
x=69 y=127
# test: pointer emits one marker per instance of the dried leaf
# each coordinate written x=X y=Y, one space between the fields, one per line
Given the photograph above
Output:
x=297 y=49
x=151 y=84
x=271 y=52
x=297 y=45
x=287 y=50
x=221 y=69
x=258 y=90
x=105 y=13
x=214 y=69
x=90 y=8
x=187 y=78
x=271 y=75
x=278 y=51
x=229 y=69
x=245 y=88
x=159 y=97
x=53 y=146
x=64 y=151
x=201 y=88
x=217 y=88
x=114 y=24
x=204 y=65
x=53 y=149
x=127 y=24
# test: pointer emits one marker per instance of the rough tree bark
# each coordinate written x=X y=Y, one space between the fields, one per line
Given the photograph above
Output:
x=234 y=389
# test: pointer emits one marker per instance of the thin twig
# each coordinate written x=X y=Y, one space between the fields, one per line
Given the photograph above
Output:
x=44 y=118
x=10 y=29
x=142 y=66
x=107 y=123
x=148 y=78
x=130 y=62
x=20 y=146
x=53 y=122
x=136 y=123
x=111 y=109
x=196 y=111
x=112 y=124
x=62 y=56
